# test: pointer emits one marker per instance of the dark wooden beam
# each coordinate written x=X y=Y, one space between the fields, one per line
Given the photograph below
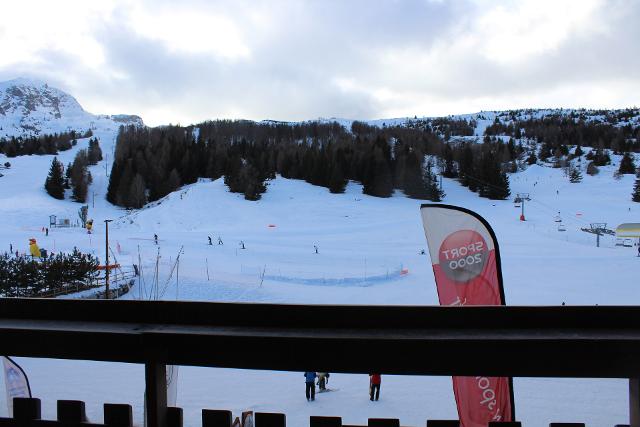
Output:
x=560 y=341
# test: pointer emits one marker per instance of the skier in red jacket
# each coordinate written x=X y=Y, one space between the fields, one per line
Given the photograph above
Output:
x=374 y=386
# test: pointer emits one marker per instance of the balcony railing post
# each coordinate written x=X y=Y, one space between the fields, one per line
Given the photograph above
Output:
x=156 y=394
x=634 y=402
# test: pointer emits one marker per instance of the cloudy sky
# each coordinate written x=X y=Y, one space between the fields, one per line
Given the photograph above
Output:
x=183 y=62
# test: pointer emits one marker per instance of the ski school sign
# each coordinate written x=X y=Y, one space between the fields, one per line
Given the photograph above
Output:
x=466 y=264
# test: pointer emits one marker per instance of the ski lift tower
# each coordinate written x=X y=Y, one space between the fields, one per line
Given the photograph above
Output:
x=599 y=229
x=519 y=202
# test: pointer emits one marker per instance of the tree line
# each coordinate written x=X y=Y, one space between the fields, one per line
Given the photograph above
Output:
x=558 y=131
x=482 y=167
x=150 y=163
x=24 y=276
x=40 y=145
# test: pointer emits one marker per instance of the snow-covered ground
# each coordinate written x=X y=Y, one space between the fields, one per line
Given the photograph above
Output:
x=363 y=243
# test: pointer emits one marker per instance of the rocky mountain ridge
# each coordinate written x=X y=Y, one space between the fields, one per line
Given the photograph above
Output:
x=31 y=107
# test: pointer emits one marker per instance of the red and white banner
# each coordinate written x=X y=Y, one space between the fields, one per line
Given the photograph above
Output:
x=466 y=263
x=16 y=382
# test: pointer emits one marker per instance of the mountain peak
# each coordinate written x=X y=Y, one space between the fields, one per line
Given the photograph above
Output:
x=31 y=107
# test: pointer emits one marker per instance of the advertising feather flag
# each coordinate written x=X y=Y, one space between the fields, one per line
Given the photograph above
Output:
x=466 y=263
x=16 y=382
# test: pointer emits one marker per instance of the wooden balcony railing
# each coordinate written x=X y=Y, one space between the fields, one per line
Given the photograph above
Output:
x=562 y=341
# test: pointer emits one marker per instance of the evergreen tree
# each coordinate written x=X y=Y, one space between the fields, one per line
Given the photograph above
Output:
x=635 y=196
x=592 y=169
x=232 y=176
x=575 y=175
x=434 y=193
x=494 y=183
x=80 y=177
x=449 y=167
x=377 y=180
x=599 y=156
x=337 y=181
x=466 y=168
x=173 y=182
x=54 y=184
x=545 y=152
x=114 y=181
x=627 y=165
x=67 y=177
x=137 y=193
x=578 y=151
x=124 y=184
x=414 y=177
x=95 y=153
x=254 y=186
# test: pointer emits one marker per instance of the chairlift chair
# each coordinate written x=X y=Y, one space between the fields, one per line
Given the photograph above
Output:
x=561 y=227
x=557 y=218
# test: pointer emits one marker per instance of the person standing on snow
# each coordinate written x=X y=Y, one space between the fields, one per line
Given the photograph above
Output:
x=323 y=379
x=374 y=385
x=209 y=240
x=310 y=383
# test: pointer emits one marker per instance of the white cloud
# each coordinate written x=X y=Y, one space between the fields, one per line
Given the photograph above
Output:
x=516 y=31
x=291 y=60
x=189 y=31
x=29 y=27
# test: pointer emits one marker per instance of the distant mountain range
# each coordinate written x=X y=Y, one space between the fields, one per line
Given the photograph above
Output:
x=31 y=107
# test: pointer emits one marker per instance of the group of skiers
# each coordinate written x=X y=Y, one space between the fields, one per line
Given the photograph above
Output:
x=219 y=241
x=323 y=380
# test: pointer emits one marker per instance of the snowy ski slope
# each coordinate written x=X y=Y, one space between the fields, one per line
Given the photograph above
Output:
x=363 y=244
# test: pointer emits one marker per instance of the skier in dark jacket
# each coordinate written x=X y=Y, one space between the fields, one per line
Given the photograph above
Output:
x=310 y=383
x=374 y=386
